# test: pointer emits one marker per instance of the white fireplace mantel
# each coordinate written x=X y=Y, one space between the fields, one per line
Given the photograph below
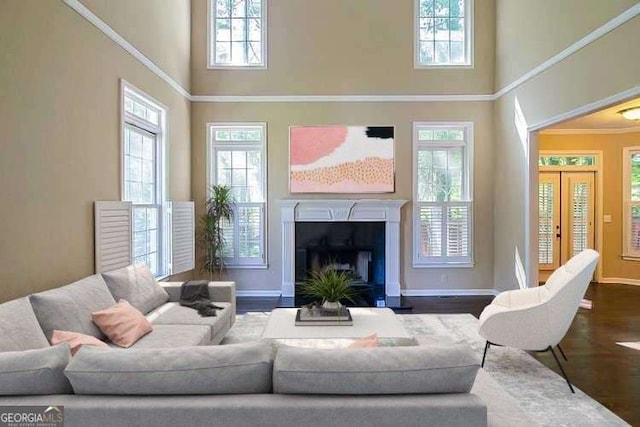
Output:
x=342 y=210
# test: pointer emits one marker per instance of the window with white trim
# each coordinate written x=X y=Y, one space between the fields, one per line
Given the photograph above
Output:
x=237 y=159
x=443 y=195
x=237 y=33
x=143 y=178
x=443 y=33
x=631 y=200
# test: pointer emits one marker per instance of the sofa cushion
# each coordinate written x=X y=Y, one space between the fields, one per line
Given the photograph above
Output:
x=19 y=327
x=37 y=371
x=382 y=370
x=172 y=313
x=136 y=284
x=69 y=308
x=226 y=369
x=123 y=324
x=169 y=336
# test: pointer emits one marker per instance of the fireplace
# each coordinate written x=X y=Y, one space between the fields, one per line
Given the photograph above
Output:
x=362 y=235
x=357 y=248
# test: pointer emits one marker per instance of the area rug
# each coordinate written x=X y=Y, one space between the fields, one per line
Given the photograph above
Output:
x=539 y=392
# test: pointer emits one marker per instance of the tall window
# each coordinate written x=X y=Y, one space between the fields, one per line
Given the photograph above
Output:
x=143 y=177
x=237 y=33
x=237 y=159
x=443 y=194
x=443 y=33
x=631 y=200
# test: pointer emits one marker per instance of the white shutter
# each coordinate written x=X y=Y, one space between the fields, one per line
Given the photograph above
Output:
x=445 y=232
x=458 y=232
x=430 y=231
x=112 y=235
x=183 y=257
x=250 y=225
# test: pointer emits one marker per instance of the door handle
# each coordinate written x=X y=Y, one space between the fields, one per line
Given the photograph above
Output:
x=557 y=231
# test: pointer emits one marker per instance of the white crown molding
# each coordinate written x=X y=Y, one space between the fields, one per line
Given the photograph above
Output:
x=341 y=98
x=599 y=32
x=113 y=35
x=269 y=293
x=448 y=292
x=619 y=280
x=590 y=131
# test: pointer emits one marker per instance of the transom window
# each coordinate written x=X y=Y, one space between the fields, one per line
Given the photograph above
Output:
x=442 y=194
x=631 y=200
x=237 y=33
x=143 y=177
x=237 y=159
x=443 y=32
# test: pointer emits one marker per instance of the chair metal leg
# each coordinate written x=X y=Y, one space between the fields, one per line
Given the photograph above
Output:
x=486 y=347
x=562 y=369
x=562 y=353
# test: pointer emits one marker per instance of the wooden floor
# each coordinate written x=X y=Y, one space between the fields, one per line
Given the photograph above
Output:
x=607 y=372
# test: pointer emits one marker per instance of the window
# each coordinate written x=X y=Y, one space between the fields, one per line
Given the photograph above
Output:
x=631 y=200
x=237 y=33
x=567 y=160
x=237 y=159
x=443 y=33
x=442 y=199
x=143 y=177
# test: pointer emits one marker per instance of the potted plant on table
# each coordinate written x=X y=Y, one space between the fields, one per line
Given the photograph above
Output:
x=329 y=286
x=218 y=213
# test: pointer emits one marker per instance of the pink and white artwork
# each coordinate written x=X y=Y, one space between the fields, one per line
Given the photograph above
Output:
x=341 y=159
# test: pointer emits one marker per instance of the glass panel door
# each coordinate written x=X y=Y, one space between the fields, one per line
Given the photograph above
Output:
x=577 y=213
x=549 y=222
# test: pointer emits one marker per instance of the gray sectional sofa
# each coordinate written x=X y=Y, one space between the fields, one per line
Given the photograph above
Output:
x=174 y=376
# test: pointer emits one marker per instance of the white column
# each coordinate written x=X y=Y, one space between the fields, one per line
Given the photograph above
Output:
x=288 y=248
x=392 y=253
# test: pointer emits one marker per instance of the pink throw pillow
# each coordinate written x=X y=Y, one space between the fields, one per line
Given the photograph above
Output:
x=366 y=342
x=75 y=340
x=123 y=324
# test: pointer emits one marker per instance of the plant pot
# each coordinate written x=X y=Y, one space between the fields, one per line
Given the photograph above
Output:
x=331 y=305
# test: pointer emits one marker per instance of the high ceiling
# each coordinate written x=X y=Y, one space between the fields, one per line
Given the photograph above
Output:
x=604 y=119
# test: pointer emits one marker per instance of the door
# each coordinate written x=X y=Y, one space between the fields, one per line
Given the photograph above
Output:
x=567 y=217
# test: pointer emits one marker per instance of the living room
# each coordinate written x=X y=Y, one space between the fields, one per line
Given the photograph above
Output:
x=512 y=69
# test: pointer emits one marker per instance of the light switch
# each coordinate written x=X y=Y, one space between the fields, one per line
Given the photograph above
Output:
x=606 y=218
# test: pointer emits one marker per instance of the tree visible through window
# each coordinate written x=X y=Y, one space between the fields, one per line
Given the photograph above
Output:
x=237 y=33
x=442 y=32
x=631 y=232
x=442 y=200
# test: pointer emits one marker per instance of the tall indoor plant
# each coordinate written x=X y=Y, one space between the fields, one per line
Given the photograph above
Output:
x=218 y=211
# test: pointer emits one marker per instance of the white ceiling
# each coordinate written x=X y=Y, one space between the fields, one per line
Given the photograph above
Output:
x=604 y=119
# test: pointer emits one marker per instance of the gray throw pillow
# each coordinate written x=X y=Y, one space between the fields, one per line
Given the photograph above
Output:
x=19 y=327
x=384 y=370
x=69 y=308
x=35 y=371
x=223 y=369
x=137 y=286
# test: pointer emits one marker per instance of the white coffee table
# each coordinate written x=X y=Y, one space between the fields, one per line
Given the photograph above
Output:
x=366 y=321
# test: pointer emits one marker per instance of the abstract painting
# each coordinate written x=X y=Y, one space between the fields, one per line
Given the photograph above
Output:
x=341 y=159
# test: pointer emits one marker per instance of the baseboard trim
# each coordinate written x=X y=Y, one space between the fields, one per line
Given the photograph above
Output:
x=274 y=293
x=619 y=280
x=448 y=292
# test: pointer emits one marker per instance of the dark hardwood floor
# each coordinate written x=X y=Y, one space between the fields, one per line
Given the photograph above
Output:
x=607 y=372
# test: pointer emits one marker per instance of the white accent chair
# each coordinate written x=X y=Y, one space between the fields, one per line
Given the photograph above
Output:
x=537 y=319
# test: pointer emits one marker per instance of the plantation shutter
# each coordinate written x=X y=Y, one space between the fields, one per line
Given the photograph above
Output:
x=112 y=235
x=445 y=232
x=250 y=220
x=182 y=237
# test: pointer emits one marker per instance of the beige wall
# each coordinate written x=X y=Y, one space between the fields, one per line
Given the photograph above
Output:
x=531 y=32
x=280 y=116
x=59 y=115
x=613 y=266
x=161 y=30
x=333 y=47
x=601 y=69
